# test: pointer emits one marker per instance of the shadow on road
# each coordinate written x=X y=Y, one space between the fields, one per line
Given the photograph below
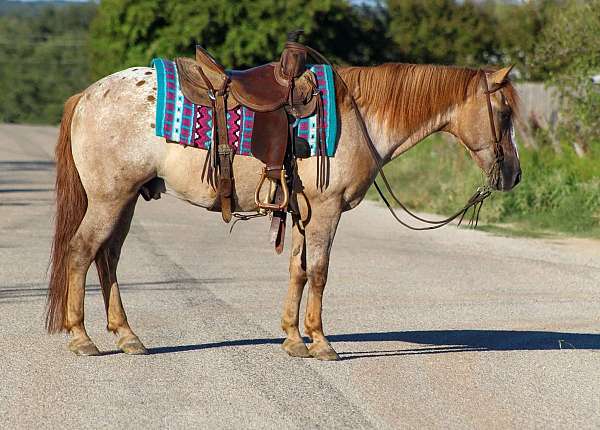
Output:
x=26 y=190
x=434 y=341
x=16 y=293
x=6 y=166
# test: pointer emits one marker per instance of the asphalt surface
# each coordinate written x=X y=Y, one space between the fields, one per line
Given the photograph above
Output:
x=451 y=329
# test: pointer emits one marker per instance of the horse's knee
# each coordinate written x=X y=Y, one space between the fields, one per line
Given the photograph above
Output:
x=298 y=274
x=318 y=279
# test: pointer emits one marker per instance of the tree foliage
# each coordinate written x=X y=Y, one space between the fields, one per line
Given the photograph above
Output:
x=570 y=50
x=50 y=50
x=442 y=31
x=42 y=61
x=238 y=33
x=518 y=26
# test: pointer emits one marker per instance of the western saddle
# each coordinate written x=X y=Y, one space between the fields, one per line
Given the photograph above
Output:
x=278 y=93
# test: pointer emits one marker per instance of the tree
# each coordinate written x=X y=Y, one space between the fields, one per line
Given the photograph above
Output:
x=42 y=60
x=238 y=33
x=519 y=26
x=442 y=31
x=570 y=50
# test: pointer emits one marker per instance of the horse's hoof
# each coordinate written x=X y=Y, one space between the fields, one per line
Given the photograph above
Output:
x=83 y=347
x=323 y=351
x=132 y=345
x=296 y=348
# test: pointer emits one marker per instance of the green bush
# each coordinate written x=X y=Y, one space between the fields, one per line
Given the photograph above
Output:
x=557 y=193
x=434 y=32
x=570 y=50
x=237 y=33
x=42 y=60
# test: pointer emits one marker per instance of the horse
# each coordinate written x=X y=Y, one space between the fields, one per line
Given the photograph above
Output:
x=108 y=154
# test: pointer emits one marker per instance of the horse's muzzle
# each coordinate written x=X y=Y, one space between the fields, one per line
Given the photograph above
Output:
x=506 y=179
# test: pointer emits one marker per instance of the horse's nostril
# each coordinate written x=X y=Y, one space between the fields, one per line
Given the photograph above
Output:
x=518 y=178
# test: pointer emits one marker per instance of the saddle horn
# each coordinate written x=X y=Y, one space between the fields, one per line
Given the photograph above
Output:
x=293 y=58
x=294 y=35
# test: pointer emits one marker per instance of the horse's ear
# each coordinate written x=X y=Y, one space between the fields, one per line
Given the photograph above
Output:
x=500 y=77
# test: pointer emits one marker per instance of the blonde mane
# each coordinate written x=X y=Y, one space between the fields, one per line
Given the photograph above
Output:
x=405 y=96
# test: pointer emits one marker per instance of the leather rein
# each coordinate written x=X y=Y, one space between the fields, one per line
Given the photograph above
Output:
x=475 y=201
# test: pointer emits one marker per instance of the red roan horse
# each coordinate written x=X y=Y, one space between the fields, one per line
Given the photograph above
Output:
x=401 y=104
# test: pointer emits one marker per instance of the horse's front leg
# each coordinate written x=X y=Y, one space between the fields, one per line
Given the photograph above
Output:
x=319 y=235
x=293 y=344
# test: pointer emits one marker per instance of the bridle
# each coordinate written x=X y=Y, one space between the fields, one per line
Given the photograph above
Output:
x=495 y=135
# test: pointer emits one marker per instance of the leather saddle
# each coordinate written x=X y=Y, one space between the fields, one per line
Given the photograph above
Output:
x=262 y=88
x=278 y=93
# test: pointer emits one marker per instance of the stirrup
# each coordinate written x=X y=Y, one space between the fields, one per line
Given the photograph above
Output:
x=284 y=188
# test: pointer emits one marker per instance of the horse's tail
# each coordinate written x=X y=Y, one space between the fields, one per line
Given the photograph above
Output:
x=71 y=205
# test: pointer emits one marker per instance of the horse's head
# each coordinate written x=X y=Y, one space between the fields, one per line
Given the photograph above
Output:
x=484 y=125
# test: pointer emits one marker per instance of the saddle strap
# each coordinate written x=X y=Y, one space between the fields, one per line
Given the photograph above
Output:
x=225 y=188
x=220 y=150
x=277 y=230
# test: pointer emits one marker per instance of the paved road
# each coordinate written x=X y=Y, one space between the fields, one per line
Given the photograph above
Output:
x=452 y=329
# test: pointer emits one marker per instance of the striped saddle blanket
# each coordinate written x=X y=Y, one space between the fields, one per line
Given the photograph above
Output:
x=179 y=120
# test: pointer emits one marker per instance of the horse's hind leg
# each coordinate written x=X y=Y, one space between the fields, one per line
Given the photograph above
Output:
x=97 y=226
x=107 y=260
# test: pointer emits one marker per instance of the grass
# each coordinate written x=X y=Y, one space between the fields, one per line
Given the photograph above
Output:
x=559 y=194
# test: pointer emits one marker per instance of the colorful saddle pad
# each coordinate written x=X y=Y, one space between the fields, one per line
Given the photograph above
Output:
x=179 y=120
